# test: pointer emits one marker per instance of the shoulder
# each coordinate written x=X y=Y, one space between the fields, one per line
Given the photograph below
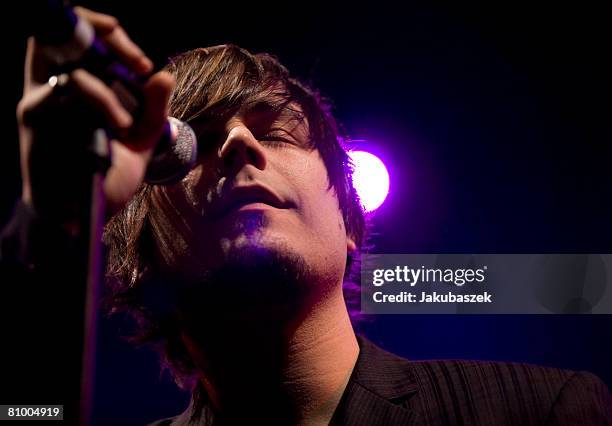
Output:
x=183 y=419
x=524 y=393
x=584 y=399
x=162 y=422
x=487 y=392
x=189 y=417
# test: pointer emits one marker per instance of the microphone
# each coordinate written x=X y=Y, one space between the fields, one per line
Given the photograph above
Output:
x=70 y=42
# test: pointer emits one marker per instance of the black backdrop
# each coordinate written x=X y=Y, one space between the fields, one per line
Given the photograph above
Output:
x=494 y=121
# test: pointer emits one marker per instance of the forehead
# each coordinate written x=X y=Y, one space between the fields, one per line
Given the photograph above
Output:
x=271 y=111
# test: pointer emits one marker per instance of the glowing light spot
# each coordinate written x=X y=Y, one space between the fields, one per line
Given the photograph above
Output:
x=370 y=178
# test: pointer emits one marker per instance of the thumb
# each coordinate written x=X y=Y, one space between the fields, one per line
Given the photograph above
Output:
x=148 y=129
x=130 y=157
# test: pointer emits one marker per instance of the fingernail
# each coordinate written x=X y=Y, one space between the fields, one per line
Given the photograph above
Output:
x=124 y=119
x=146 y=64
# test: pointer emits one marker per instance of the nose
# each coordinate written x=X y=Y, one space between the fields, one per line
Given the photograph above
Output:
x=241 y=148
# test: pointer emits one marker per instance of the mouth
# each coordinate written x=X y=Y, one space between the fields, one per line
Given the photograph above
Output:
x=247 y=205
x=248 y=198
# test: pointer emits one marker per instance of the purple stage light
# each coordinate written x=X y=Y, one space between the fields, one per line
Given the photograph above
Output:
x=370 y=178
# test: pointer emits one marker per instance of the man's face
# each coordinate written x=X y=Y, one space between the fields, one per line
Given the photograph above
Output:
x=258 y=191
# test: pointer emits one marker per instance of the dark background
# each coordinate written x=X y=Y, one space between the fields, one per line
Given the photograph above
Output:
x=494 y=122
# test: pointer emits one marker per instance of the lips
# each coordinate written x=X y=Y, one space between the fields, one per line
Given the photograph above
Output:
x=241 y=196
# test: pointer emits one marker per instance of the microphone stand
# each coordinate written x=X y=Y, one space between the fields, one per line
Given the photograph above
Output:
x=100 y=151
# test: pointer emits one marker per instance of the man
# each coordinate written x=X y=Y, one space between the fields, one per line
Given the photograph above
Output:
x=236 y=273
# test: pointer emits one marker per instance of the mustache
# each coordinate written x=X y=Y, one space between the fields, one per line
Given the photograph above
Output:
x=218 y=198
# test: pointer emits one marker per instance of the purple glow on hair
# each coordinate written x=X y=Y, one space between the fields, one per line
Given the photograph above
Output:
x=370 y=178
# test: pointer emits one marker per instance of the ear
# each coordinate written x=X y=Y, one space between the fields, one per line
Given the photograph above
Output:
x=350 y=245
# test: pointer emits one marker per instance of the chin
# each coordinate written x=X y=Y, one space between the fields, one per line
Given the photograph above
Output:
x=253 y=234
x=258 y=247
x=257 y=275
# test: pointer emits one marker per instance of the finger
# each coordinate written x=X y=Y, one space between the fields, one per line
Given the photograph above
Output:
x=82 y=87
x=124 y=176
x=93 y=91
x=157 y=93
x=34 y=100
x=120 y=43
x=103 y=23
x=107 y=27
x=37 y=66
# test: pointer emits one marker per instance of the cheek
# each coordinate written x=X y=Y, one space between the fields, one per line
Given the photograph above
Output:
x=307 y=175
x=320 y=200
x=319 y=209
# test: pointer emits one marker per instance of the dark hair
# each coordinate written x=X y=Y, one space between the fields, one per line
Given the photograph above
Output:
x=212 y=84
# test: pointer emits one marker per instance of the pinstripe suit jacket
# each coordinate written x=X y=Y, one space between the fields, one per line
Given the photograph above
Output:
x=385 y=389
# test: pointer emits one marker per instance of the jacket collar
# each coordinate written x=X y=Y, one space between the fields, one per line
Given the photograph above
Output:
x=379 y=385
x=382 y=372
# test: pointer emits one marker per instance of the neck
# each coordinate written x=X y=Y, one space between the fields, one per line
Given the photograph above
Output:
x=292 y=371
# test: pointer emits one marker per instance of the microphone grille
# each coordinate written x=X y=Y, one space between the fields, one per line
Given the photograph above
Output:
x=177 y=158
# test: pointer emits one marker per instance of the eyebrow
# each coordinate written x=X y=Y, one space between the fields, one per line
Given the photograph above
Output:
x=285 y=108
x=211 y=130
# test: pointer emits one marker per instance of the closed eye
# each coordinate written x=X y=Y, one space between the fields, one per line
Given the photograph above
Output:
x=275 y=139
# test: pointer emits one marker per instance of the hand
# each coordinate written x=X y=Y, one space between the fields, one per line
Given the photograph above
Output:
x=53 y=139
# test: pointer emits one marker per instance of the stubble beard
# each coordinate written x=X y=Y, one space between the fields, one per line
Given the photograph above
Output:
x=257 y=277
